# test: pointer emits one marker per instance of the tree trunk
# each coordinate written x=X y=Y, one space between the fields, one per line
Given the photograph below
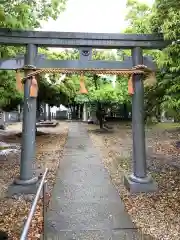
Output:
x=77 y=111
x=49 y=113
x=158 y=114
x=81 y=111
x=101 y=122
x=73 y=113
x=44 y=112
x=125 y=110
x=99 y=115
x=38 y=106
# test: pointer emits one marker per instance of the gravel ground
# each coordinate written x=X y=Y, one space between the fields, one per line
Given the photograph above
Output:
x=49 y=149
x=156 y=214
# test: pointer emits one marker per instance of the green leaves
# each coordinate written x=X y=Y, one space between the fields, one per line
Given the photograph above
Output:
x=8 y=93
x=162 y=17
x=103 y=91
x=104 y=94
x=29 y=14
x=22 y=14
x=166 y=18
x=138 y=17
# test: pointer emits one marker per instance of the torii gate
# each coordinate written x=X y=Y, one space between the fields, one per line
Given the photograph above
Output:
x=139 y=181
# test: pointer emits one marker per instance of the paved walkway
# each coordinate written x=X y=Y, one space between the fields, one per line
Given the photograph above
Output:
x=85 y=204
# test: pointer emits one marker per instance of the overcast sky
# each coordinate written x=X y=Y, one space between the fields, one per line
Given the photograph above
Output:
x=98 y=16
x=91 y=16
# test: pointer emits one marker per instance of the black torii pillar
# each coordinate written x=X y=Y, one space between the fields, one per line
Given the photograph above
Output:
x=27 y=181
x=29 y=123
x=139 y=181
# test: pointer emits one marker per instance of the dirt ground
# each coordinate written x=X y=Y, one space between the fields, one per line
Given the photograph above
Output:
x=156 y=214
x=49 y=148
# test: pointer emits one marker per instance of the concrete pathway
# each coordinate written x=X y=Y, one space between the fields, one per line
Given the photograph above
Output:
x=85 y=205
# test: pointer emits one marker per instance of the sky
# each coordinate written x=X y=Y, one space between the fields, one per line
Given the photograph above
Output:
x=98 y=16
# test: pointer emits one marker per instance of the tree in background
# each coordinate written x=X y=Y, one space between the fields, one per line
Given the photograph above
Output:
x=162 y=17
x=21 y=15
x=166 y=19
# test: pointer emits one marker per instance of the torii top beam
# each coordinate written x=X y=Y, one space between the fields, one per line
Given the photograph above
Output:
x=76 y=39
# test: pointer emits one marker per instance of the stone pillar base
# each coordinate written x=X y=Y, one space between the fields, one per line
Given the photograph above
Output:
x=23 y=187
x=135 y=185
x=26 y=182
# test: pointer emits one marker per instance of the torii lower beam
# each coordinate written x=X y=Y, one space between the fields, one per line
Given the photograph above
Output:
x=41 y=62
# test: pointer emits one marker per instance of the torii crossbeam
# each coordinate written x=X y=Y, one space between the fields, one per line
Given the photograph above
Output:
x=41 y=62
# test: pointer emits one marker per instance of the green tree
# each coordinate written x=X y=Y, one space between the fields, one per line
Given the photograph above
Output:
x=166 y=19
x=102 y=95
x=21 y=15
x=29 y=14
x=142 y=18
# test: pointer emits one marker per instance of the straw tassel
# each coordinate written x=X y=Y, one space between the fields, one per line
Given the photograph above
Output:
x=83 y=89
x=33 y=87
x=130 y=86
